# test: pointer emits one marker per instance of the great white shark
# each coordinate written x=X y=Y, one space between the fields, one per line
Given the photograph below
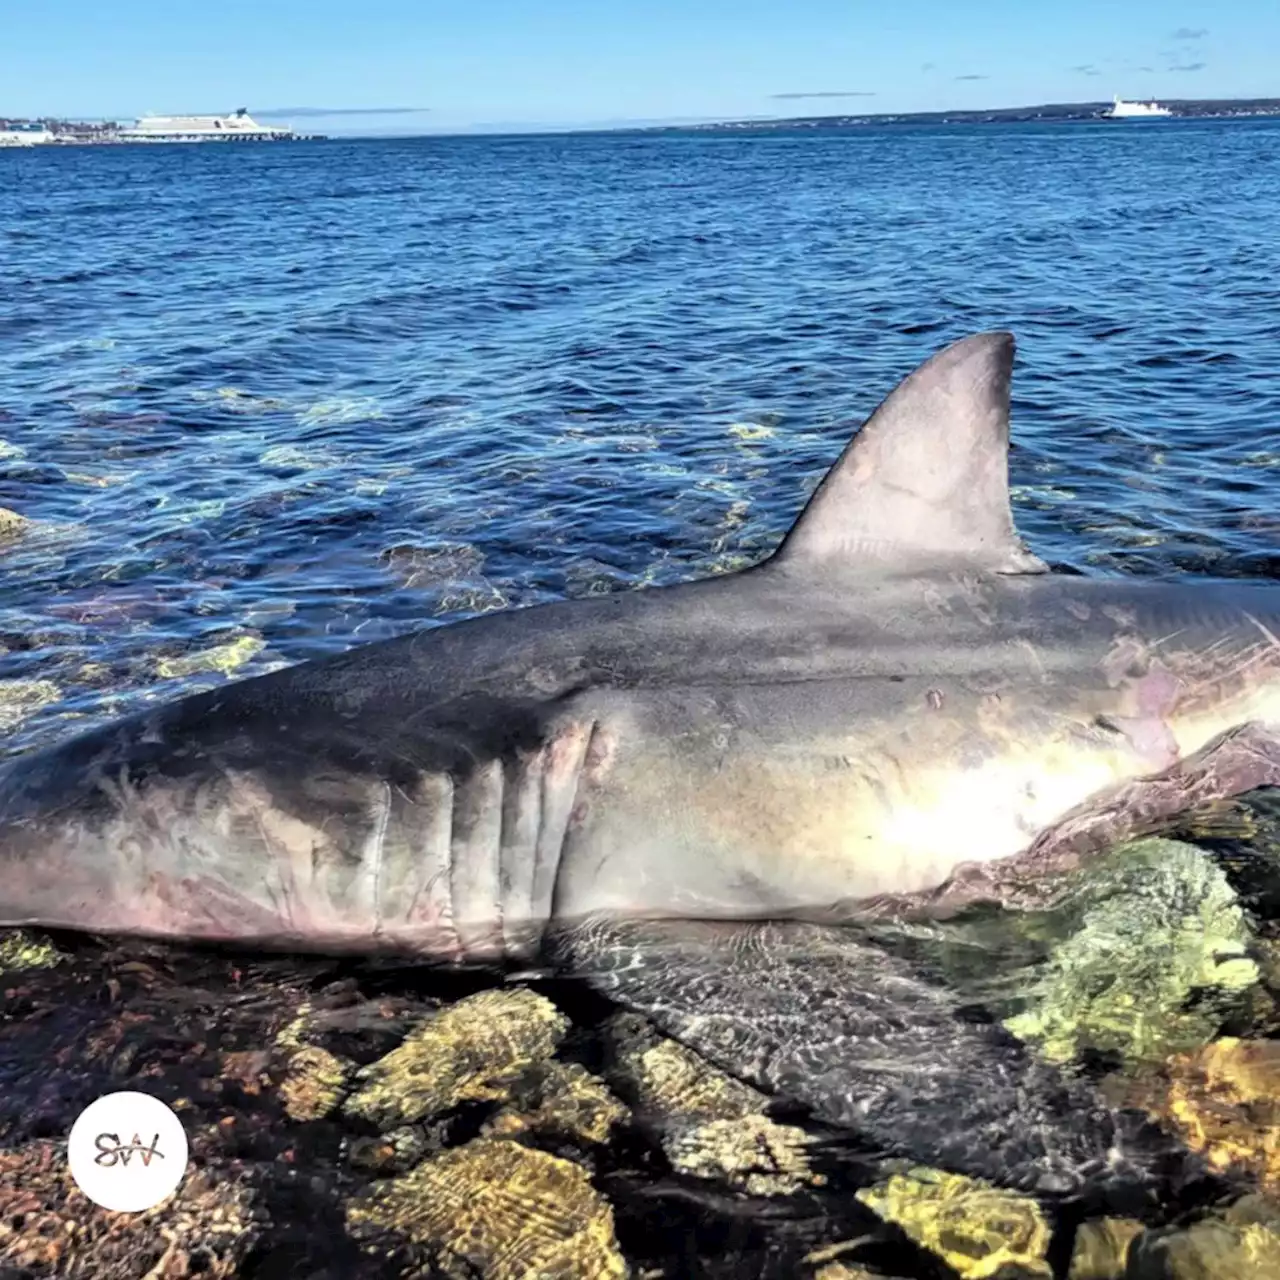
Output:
x=686 y=793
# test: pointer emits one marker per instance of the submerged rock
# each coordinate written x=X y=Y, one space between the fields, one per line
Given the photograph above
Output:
x=709 y=1124
x=752 y=1153
x=496 y=1210
x=1102 y=1248
x=561 y=1099
x=316 y=1083
x=20 y=699
x=666 y=1081
x=12 y=525
x=1240 y=1243
x=49 y=1227
x=473 y=1051
x=224 y=658
x=1154 y=961
x=1224 y=1101
x=978 y=1230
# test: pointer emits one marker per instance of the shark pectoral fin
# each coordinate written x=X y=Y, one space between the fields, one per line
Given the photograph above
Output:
x=926 y=479
x=817 y=1015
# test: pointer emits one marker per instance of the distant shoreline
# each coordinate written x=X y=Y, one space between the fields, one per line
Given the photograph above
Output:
x=1054 y=113
x=100 y=133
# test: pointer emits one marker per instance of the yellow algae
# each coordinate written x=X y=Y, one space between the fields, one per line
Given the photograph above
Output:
x=224 y=658
x=978 y=1230
x=1159 y=923
x=473 y=1051
x=20 y=950
x=570 y=1102
x=752 y=431
x=1225 y=1102
x=290 y=1035
x=497 y=1210
x=315 y=1083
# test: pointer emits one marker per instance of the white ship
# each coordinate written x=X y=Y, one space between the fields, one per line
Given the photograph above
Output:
x=25 y=136
x=240 y=127
x=1122 y=110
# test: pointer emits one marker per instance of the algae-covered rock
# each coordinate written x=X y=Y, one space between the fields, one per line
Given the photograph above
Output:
x=752 y=1153
x=710 y=1125
x=315 y=1083
x=1224 y=1101
x=497 y=1210
x=562 y=1099
x=21 y=950
x=666 y=1081
x=224 y=658
x=22 y=698
x=1102 y=1248
x=1155 y=960
x=1242 y=1243
x=978 y=1230
x=472 y=1051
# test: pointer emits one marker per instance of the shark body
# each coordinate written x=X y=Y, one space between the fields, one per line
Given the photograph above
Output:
x=901 y=711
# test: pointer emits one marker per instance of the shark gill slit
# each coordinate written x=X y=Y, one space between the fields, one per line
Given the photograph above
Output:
x=474 y=880
x=559 y=797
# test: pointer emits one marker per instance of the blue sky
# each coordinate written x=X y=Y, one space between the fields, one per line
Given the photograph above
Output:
x=573 y=62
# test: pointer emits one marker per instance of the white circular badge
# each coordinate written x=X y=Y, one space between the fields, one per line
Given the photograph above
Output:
x=127 y=1151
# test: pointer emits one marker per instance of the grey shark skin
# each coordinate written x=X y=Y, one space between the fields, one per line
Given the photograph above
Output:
x=901 y=710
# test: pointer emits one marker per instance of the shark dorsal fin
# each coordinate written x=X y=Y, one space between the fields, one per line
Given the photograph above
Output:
x=926 y=479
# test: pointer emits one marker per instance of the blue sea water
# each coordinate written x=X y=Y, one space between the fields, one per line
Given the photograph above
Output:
x=263 y=402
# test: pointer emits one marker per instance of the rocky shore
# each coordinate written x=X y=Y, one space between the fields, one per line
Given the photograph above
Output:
x=357 y=1119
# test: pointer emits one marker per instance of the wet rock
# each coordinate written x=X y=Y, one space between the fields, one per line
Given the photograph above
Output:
x=20 y=699
x=497 y=1210
x=422 y=567
x=710 y=1125
x=1224 y=1100
x=666 y=1081
x=395 y=1151
x=561 y=1099
x=1102 y=1247
x=752 y=1153
x=1153 y=962
x=224 y=658
x=12 y=525
x=316 y=1083
x=978 y=1230
x=473 y=1051
x=21 y=950
x=1242 y=1243
x=483 y=597
x=49 y=1227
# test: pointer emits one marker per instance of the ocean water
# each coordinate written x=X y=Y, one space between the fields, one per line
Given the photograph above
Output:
x=260 y=403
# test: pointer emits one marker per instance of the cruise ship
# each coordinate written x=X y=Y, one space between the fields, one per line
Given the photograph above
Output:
x=23 y=135
x=1122 y=110
x=239 y=127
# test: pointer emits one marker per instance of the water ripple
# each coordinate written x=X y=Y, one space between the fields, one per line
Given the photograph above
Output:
x=319 y=393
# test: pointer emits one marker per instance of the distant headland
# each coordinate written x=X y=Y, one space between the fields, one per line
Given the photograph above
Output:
x=1187 y=108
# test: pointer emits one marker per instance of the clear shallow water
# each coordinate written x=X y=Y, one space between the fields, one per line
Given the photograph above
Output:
x=322 y=393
